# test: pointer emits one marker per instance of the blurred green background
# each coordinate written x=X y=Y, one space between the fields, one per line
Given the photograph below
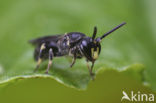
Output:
x=135 y=43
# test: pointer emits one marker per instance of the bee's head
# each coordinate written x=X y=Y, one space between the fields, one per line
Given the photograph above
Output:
x=90 y=46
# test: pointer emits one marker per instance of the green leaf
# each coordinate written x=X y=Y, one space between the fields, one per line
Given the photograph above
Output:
x=107 y=87
x=127 y=49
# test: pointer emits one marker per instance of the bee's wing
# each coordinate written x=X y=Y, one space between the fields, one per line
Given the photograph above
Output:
x=40 y=40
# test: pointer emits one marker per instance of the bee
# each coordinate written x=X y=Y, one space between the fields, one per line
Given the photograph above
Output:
x=74 y=44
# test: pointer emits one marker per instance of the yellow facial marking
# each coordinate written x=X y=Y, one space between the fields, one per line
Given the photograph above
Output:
x=95 y=54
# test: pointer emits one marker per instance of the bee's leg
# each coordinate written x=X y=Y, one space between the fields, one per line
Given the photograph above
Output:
x=38 y=64
x=90 y=70
x=50 y=60
x=39 y=57
x=73 y=61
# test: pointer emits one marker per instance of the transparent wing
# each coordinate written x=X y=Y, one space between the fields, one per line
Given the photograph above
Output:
x=40 y=40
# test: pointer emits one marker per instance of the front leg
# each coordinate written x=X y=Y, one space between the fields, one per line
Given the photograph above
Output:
x=73 y=61
x=91 y=70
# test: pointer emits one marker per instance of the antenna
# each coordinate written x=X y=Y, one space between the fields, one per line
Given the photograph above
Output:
x=94 y=33
x=117 y=27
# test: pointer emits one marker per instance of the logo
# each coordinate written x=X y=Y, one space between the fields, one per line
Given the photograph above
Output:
x=137 y=96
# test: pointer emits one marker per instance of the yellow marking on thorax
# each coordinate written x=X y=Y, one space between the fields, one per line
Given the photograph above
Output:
x=42 y=46
x=68 y=41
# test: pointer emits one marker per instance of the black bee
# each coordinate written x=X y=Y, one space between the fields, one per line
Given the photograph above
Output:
x=75 y=44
